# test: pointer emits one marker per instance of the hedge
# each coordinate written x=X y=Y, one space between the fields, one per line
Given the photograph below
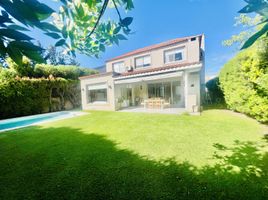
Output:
x=27 y=69
x=244 y=81
x=215 y=92
x=42 y=92
x=27 y=96
x=63 y=71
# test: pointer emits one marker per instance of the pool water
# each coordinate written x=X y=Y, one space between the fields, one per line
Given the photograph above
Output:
x=18 y=122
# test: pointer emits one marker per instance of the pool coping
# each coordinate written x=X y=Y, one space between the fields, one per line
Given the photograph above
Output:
x=72 y=114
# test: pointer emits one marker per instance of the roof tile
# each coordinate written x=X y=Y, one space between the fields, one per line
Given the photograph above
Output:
x=152 y=47
x=155 y=69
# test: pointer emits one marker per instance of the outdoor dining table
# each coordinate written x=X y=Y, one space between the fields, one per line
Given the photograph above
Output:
x=154 y=103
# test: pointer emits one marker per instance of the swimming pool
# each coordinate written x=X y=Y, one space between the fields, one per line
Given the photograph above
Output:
x=19 y=122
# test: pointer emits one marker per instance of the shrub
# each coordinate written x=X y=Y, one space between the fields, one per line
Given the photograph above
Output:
x=25 y=96
x=244 y=82
x=214 y=90
x=7 y=74
x=26 y=69
x=43 y=93
x=64 y=71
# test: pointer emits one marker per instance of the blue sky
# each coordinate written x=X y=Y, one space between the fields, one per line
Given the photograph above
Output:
x=157 y=21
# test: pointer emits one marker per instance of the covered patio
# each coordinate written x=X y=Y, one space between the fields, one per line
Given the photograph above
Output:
x=158 y=92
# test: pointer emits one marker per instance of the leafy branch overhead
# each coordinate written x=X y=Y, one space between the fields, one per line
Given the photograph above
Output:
x=259 y=7
x=79 y=26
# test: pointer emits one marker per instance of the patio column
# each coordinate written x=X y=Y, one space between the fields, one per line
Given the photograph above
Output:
x=186 y=74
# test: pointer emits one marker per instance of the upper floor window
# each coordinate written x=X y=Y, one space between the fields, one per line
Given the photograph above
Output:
x=174 y=55
x=119 y=67
x=143 y=61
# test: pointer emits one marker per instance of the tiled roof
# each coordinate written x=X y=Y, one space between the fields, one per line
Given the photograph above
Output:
x=142 y=71
x=96 y=75
x=151 y=69
x=152 y=47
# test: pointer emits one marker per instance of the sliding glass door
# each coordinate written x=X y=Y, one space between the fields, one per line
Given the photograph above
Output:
x=169 y=91
x=176 y=93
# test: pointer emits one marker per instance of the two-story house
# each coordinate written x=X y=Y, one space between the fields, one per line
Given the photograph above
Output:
x=169 y=74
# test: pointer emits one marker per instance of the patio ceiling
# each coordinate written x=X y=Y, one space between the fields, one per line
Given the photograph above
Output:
x=150 y=78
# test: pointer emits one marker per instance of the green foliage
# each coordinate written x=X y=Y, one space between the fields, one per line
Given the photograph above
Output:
x=14 y=42
x=215 y=91
x=259 y=7
x=82 y=29
x=76 y=26
x=249 y=26
x=244 y=82
x=54 y=57
x=63 y=71
x=24 y=69
x=7 y=74
x=25 y=96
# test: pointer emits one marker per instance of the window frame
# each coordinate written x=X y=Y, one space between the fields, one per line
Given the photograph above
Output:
x=142 y=57
x=120 y=62
x=179 y=50
x=90 y=88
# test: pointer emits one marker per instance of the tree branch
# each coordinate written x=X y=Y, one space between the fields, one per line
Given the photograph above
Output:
x=120 y=18
x=101 y=14
x=98 y=20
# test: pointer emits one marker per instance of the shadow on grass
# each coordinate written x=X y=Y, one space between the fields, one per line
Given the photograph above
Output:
x=65 y=163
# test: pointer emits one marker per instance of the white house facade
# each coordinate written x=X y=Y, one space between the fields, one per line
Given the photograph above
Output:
x=166 y=75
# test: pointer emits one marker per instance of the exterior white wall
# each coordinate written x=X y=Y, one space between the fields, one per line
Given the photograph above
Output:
x=202 y=73
x=192 y=54
x=192 y=89
x=107 y=79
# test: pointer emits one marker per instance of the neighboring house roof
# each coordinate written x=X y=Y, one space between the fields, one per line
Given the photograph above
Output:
x=153 y=47
x=96 y=75
x=159 y=69
x=101 y=69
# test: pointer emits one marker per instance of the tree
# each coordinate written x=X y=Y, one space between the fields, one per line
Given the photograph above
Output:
x=259 y=7
x=25 y=69
x=54 y=57
x=249 y=24
x=213 y=86
x=77 y=26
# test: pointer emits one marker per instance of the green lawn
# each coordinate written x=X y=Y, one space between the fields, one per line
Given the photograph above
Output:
x=113 y=155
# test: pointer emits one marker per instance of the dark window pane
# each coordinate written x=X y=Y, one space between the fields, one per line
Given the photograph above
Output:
x=178 y=56
x=97 y=95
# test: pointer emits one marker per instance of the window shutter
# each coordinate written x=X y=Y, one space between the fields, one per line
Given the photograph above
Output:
x=139 y=62
x=147 y=60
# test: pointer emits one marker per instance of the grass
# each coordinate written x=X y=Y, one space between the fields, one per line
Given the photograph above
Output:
x=113 y=155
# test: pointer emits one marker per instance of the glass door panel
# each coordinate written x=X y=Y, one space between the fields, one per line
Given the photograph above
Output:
x=176 y=90
x=160 y=90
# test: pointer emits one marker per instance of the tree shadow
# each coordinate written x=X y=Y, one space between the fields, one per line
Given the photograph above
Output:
x=65 y=163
